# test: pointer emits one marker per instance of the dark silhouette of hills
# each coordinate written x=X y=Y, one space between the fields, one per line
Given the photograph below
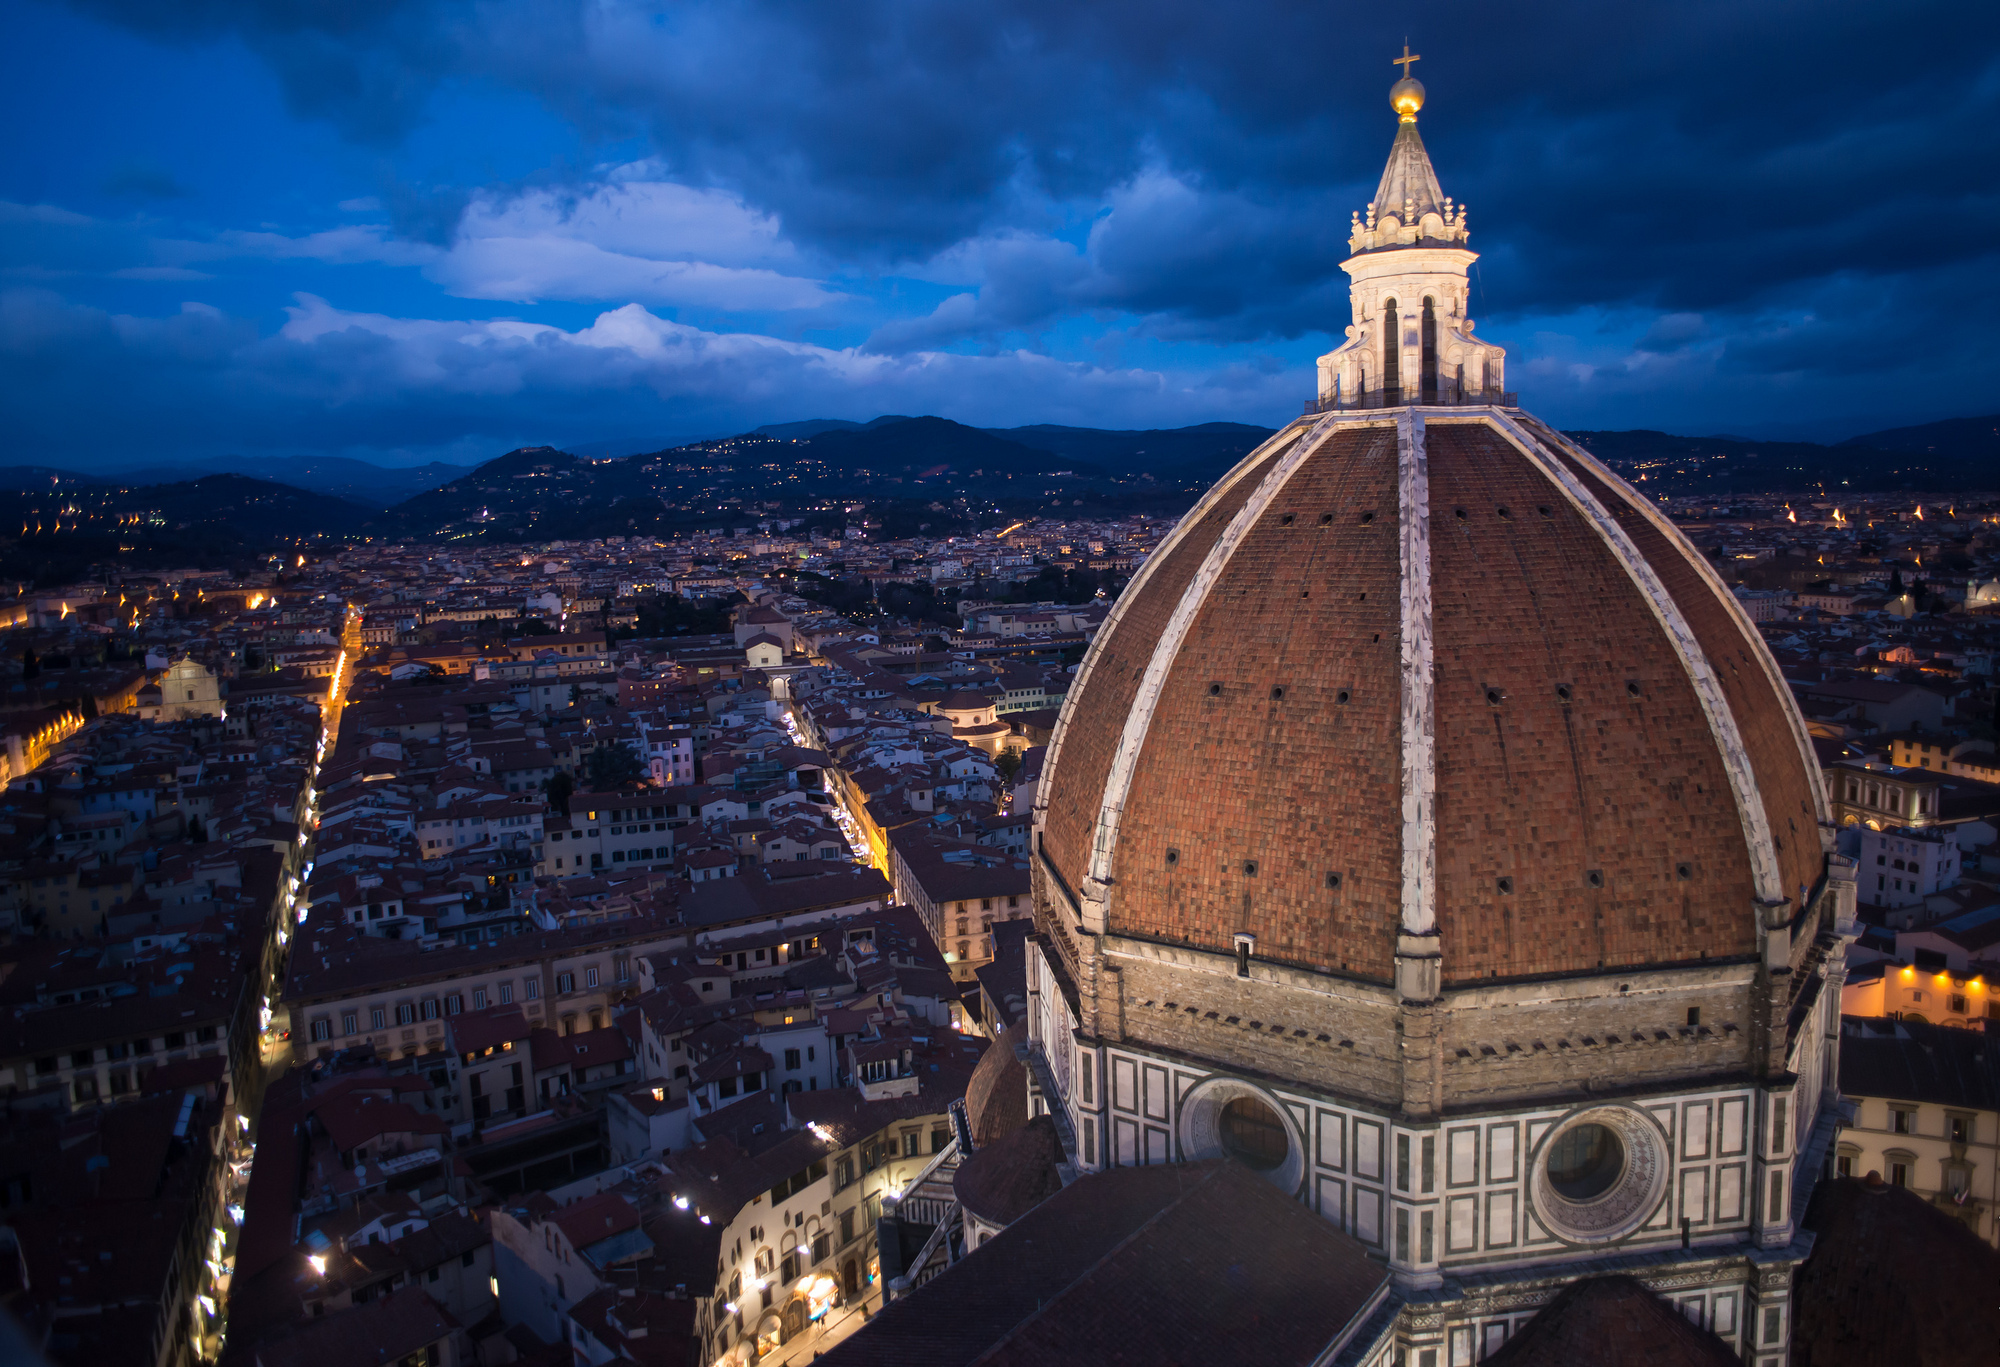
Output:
x=356 y=481
x=914 y=445
x=1974 y=439
x=1203 y=451
x=67 y=529
x=1678 y=465
x=915 y=473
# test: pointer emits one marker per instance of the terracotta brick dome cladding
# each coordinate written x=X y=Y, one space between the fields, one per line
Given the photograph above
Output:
x=1276 y=736
x=1117 y=660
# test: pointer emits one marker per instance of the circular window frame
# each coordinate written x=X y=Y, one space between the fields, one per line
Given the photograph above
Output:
x=1630 y=1200
x=1200 y=1128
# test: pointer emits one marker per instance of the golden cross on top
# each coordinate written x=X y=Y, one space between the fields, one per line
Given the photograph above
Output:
x=1405 y=60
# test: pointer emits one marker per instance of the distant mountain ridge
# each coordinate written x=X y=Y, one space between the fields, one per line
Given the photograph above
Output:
x=1963 y=438
x=1955 y=453
x=357 y=481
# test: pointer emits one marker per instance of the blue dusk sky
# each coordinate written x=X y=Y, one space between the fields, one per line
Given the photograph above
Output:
x=406 y=230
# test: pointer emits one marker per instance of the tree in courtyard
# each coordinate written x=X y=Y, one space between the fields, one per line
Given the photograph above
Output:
x=612 y=764
x=559 y=788
x=1008 y=762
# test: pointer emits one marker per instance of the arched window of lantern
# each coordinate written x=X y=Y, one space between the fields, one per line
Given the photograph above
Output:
x=1429 y=370
x=1392 y=354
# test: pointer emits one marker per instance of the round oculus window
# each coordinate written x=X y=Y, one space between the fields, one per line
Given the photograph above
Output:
x=1600 y=1174
x=1584 y=1162
x=1252 y=1134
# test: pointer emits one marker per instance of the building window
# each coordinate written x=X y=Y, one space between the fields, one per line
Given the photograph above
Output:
x=565 y=983
x=322 y=1029
x=1899 y=1174
x=1902 y=1121
x=590 y=977
x=506 y=994
x=478 y=999
x=531 y=988
x=430 y=1005
x=375 y=1018
x=406 y=1013
x=349 y=1022
x=1959 y=1127
x=454 y=1003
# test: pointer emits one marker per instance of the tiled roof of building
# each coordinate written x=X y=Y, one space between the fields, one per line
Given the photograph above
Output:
x=1601 y=1320
x=996 y=1099
x=596 y=1218
x=373 y=1335
x=1202 y=1262
x=1906 y=1060
x=1006 y=1179
x=1892 y=1279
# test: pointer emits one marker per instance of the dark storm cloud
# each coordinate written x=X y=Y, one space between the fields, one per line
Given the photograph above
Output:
x=1692 y=156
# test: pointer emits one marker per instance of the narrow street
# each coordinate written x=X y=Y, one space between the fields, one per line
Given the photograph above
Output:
x=274 y=1050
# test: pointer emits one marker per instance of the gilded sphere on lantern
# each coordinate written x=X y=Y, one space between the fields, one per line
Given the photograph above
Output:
x=1407 y=96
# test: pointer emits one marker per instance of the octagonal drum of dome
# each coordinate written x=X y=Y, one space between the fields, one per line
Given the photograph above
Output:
x=1431 y=672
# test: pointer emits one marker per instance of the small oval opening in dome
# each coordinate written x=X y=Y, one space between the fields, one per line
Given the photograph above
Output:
x=1504 y=884
x=1342 y=696
x=1250 y=868
x=1684 y=871
x=1459 y=513
x=1278 y=693
x=1367 y=518
x=1632 y=687
x=1545 y=510
x=1562 y=692
x=1173 y=857
x=1595 y=878
x=1325 y=519
x=1333 y=881
x=1494 y=697
x=1286 y=520
x=1506 y=513
x=1215 y=690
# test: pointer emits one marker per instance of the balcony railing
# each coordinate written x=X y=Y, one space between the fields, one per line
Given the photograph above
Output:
x=1494 y=399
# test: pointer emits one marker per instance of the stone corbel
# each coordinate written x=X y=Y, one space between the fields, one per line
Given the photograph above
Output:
x=1419 y=967
x=1095 y=905
x=1775 y=922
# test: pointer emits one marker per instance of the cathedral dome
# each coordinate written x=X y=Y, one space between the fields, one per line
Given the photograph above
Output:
x=1430 y=672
